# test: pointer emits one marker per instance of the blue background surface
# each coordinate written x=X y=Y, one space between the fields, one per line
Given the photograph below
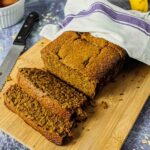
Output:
x=51 y=11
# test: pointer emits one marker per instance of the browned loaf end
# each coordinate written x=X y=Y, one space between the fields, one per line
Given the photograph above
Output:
x=83 y=61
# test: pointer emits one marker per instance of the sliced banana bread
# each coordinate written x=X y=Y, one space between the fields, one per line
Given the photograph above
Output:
x=52 y=93
x=83 y=61
x=53 y=127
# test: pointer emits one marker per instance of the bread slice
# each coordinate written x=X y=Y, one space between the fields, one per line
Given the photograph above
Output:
x=52 y=93
x=53 y=127
x=83 y=61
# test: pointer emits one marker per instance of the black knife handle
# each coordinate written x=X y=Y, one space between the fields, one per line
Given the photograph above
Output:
x=26 y=28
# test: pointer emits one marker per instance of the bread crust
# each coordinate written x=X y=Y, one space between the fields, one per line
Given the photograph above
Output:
x=83 y=60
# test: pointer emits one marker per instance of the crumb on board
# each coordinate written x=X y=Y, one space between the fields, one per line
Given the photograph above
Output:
x=9 y=78
x=121 y=93
x=120 y=99
x=104 y=105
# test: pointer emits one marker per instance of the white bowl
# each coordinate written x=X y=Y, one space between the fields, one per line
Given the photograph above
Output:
x=10 y=15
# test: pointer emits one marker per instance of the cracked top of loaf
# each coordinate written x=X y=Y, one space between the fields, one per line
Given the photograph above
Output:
x=86 y=54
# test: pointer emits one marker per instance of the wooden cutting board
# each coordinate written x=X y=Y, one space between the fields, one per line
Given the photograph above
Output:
x=117 y=107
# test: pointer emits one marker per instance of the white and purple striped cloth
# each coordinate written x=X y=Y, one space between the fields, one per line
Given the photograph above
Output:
x=128 y=29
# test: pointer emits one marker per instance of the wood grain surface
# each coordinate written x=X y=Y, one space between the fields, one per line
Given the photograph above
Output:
x=117 y=107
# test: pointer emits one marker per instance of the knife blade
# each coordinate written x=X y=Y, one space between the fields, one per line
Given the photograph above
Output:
x=17 y=48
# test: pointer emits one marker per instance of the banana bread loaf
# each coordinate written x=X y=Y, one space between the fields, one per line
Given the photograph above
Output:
x=53 y=127
x=83 y=61
x=52 y=93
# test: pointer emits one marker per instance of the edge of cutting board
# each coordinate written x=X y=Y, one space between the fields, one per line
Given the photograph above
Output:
x=115 y=138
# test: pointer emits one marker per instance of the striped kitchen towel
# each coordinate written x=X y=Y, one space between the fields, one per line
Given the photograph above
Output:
x=128 y=29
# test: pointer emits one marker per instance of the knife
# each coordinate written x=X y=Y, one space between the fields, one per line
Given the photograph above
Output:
x=17 y=48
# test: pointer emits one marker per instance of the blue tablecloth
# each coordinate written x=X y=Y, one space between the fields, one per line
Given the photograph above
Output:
x=52 y=12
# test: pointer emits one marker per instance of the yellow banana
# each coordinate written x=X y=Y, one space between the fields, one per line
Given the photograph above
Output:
x=141 y=5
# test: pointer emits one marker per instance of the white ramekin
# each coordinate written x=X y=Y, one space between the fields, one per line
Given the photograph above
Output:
x=12 y=14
